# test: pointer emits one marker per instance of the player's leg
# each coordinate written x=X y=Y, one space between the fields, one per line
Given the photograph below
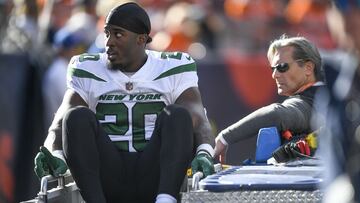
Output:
x=93 y=160
x=168 y=154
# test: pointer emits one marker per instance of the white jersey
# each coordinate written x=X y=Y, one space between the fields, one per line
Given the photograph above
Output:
x=127 y=106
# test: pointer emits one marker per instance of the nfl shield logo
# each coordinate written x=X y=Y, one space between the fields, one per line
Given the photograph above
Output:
x=129 y=86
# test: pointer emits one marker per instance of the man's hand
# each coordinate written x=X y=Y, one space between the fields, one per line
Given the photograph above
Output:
x=204 y=163
x=220 y=150
x=46 y=163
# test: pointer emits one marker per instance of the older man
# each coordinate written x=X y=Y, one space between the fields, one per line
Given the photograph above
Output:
x=297 y=71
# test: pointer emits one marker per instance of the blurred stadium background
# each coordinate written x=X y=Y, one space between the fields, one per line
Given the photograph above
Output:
x=228 y=38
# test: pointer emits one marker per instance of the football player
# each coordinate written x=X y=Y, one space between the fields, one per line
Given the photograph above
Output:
x=131 y=119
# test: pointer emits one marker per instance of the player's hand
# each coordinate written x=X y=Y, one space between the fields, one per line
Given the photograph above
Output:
x=220 y=150
x=46 y=163
x=203 y=162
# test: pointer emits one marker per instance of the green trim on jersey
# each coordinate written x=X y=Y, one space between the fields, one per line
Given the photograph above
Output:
x=177 y=70
x=83 y=74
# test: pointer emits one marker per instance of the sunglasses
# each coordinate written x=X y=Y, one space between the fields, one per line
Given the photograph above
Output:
x=283 y=67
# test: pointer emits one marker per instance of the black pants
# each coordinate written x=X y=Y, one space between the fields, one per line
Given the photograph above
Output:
x=105 y=174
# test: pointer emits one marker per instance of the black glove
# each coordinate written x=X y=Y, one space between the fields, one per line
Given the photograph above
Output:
x=204 y=163
x=46 y=163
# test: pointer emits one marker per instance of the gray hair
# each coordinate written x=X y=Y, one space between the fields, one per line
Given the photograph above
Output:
x=304 y=51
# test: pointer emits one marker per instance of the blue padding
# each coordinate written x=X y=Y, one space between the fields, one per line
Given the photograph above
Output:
x=268 y=141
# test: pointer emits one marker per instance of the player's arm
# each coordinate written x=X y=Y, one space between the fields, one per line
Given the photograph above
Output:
x=50 y=159
x=191 y=100
x=204 y=140
x=54 y=139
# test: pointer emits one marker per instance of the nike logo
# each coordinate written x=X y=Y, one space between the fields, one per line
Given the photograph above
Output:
x=188 y=57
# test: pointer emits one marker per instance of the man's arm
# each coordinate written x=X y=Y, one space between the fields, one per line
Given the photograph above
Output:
x=204 y=141
x=50 y=159
x=191 y=100
x=54 y=139
x=294 y=114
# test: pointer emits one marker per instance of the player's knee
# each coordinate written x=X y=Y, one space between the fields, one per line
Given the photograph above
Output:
x=76 y=115
x=178 y=113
